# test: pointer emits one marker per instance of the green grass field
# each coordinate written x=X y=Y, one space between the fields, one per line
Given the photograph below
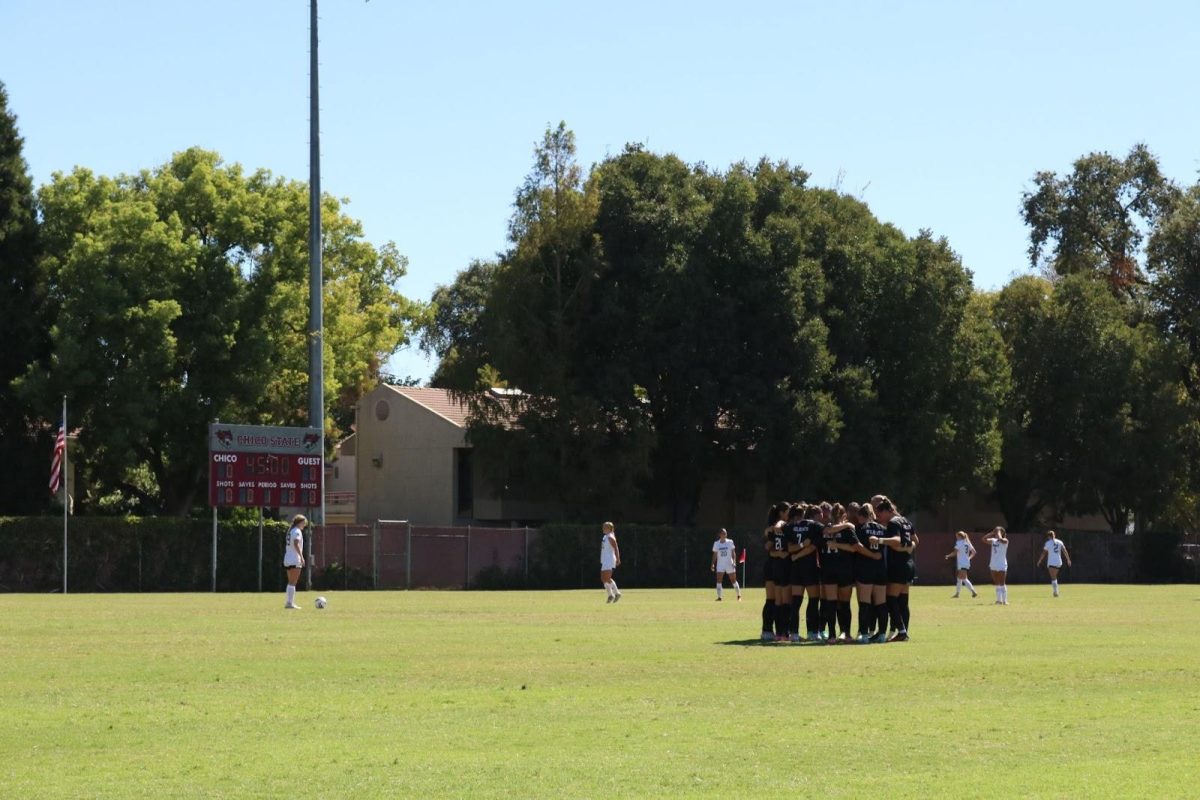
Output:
x=555 y=694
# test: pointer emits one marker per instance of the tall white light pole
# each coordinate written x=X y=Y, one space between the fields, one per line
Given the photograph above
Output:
x=316 y=380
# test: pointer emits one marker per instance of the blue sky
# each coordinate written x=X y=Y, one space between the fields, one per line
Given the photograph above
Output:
x=937 y=114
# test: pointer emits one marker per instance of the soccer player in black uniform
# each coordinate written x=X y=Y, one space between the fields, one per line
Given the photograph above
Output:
x=837 y=574
x=777 y=609
x=803 y=532
x=902 y=540
x=870 y=577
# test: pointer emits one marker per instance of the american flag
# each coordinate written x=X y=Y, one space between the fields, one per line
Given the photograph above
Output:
x=60 y=450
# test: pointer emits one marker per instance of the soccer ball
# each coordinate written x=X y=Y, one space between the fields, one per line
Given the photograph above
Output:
x=321 y=602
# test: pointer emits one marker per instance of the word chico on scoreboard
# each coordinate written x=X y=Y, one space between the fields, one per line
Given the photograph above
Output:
x=265 y=467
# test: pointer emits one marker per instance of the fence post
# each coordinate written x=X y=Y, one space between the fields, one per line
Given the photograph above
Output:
x=408 y=557
x=346 y=557
x=467 y=561
x=526 y=556
x=685 y=561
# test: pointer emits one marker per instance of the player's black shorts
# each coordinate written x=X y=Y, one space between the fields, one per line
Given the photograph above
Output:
x=780 y=571
x=900 y=571
x=839 y=573
x=870 y=572
x=805 y=571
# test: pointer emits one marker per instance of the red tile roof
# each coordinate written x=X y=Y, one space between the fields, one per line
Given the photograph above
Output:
x=439 y=401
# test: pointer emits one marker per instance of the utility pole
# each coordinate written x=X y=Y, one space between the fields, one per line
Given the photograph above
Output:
x=316 y=377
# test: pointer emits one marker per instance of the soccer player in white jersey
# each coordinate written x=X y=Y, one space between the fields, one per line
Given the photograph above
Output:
x=610 y=559
x=999 y=563
x=293 y=557
x=724 y=563
x=1053 y=553
x=963 y=552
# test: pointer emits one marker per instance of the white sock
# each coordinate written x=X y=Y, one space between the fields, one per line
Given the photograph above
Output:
x=737 y=588
x=608 y=587
x=291 y=595
x=957 y=586
x=1054 y=585
x=1004 y=593
x=999 y=594
x=615 y=590
x=967 y=583
x=720 y=590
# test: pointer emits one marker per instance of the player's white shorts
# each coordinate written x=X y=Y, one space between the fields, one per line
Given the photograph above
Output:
x=964 y=563
x=608 y=562
x=998 y=565
x=727 y=567
x=1056 y=564
x=291 y=563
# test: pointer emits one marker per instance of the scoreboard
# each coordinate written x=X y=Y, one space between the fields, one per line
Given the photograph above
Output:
x=265 y=467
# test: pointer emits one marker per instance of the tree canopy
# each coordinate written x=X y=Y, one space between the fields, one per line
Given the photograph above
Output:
x=180 y=297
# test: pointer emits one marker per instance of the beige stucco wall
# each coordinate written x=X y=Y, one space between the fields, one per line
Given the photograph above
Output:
x=405 y=466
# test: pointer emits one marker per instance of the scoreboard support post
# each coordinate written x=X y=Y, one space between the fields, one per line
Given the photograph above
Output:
x=214 y=569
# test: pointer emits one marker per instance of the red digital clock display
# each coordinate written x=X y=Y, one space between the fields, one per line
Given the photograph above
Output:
x=265 y=480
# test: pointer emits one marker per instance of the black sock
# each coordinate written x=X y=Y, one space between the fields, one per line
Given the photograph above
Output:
x=865 y=618
x=768 y=615
x=881 y=617
x=782 y=612
x=829 y=617
x=794 y=620
x=897 y=616
x=843 y=616
x=813 y=614
x=904 y=609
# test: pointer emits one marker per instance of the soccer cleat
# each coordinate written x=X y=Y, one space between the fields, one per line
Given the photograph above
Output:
x=609 y=600
x=616 y=597
x=954 y=596
x=899 y=636
x=862 y=639
x=292 y=606
x=780 y=638
x=879 y=638
x=767 y=636
x=718 y=599
x=974 y=594
x=813 y=636
x=793 y=637
x=739 y=598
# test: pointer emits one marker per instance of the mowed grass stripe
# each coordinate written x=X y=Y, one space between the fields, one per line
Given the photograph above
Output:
x=555 y=694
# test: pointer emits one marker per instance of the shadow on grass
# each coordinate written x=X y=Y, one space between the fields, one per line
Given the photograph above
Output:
x=760 y=643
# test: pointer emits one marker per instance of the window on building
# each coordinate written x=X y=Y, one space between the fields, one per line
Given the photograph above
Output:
x=464 y=482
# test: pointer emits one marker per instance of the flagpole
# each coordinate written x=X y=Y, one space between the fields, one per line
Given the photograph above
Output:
x=66 y=492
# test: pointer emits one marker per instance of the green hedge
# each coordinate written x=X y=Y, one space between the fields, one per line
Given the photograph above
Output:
x=130 y=554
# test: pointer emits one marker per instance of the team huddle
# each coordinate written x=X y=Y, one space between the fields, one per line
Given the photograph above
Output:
x=828 y=552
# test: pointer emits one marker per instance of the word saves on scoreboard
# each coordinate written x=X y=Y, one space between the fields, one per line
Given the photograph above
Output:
x=265 y=467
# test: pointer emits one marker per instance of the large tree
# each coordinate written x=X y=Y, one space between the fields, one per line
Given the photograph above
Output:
x=1094 y=219
x=181 y=298
x=24 y=454
x=1096 y=421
